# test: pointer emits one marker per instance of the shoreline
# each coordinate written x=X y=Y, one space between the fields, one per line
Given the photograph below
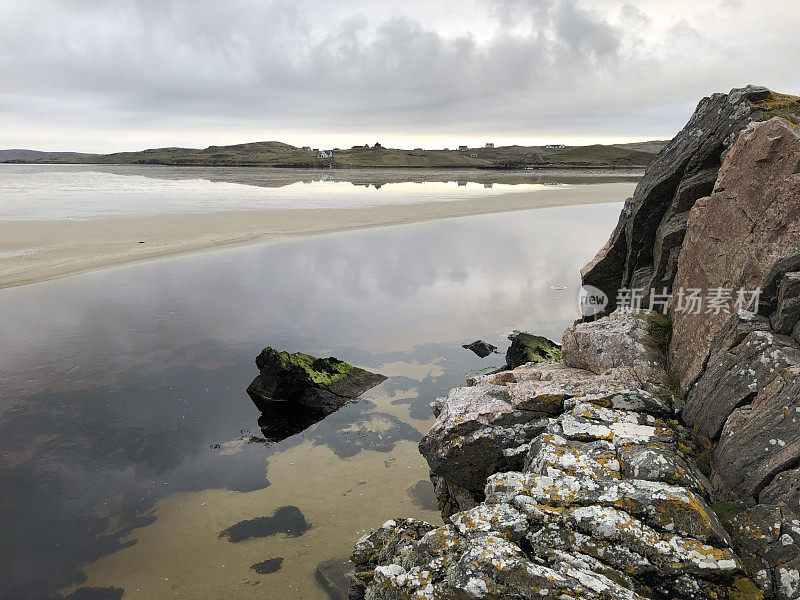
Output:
x=33 y=251
x=326 y=167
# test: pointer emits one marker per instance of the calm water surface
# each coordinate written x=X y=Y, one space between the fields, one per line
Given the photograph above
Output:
x=130 y=464
x=91 y=191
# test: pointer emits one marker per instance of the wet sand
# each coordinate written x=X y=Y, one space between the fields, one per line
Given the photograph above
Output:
x=182 y=554
x=32 y=251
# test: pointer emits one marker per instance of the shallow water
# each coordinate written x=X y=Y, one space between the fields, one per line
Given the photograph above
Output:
x=90 y=191
x=126 y=435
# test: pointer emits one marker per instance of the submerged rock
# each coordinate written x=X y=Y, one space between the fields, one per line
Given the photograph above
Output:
x=288 y=520
x=481 y=348
x=96 y=593
x=335 y=576
x=271 y=565
x=529 y=348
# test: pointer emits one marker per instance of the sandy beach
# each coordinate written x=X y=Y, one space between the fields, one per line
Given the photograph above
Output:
x=32 y=250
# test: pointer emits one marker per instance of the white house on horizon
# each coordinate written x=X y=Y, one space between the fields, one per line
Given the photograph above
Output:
x=554 y=146
x=462 y=148
x=325 y=154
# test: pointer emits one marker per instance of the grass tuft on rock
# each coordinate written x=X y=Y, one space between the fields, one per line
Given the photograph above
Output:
x=780 y=105
x=659 y=335
x=727 y=511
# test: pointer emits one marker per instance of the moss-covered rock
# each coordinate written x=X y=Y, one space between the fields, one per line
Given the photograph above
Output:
x=530 y=348
x=317 y=384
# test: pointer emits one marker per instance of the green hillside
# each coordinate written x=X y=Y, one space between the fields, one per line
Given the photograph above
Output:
x=278 y=154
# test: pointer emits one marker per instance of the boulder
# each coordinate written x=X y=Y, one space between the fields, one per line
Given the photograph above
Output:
x=481 y=348
x=745 y=235
x=617 y=341
x=294 y=391
x=323 y=384
x=529 y=348
x=643 y=249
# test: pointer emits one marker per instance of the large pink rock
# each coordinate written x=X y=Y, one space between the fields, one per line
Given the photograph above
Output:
x=746 y=235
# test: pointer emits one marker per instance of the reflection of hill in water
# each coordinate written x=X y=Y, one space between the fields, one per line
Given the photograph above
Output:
x=276 y=177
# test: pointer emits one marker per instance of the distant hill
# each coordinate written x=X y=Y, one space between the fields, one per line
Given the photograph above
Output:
x=278 y=154
x=653 y=146
x=29 y=155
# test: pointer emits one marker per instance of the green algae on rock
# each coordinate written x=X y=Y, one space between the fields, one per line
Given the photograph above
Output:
x=319 y=384
x=529 y=348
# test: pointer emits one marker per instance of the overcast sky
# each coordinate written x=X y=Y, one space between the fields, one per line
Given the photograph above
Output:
x=107 y=75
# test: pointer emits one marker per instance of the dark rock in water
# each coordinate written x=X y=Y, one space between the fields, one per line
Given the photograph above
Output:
x=271 y=565
x=335 y=576
x=320 y=383
x=480 y=348
x=526 y=347
x=294 y=391
x=287 y=520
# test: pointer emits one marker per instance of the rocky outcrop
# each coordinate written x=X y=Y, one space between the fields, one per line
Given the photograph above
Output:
x=657 y=459
x=739 y=368
x=643 y=249
x=570 y=483
x=529 y=348
x=614 y=344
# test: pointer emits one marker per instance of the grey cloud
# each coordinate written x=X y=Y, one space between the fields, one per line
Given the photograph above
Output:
x=512 y=68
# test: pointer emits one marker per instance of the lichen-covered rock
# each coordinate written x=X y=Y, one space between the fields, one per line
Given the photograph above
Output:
x=610 y=343
x=446 y=564
x=766 y=538
x=478 y=431
x=748 y=399
x=383 y=545
x=559 y=482
x=488 y=427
